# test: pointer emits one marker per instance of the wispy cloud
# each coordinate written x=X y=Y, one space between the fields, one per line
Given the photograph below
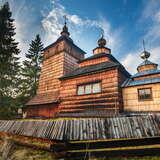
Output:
x=151 y=15
x=132 y=60
x=53 y=23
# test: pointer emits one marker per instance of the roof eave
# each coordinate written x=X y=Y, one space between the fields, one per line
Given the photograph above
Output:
x=83 y=74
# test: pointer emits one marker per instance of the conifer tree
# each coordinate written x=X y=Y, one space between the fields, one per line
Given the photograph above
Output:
x=9 y=65
x=32 y=67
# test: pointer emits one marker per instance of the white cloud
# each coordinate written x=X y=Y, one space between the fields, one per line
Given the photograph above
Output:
x=54 y=21
x=155 y=54
x=132 y=60
x=150 y=14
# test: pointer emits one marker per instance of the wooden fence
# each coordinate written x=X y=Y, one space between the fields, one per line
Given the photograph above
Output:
x=79 y=129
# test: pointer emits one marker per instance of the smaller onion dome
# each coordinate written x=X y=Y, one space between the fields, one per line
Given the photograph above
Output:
x=101 y=45
x=145 y=55
x=146 y=64
x=101 y=42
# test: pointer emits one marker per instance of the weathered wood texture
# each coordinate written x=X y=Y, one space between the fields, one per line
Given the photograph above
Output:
x=98 y=50
x=146 y=126
x=52 y=69
x=108 y=102
x=94 y=61
x=42 y=111
x=59 y=59
x=146 y=67
x=132 y=103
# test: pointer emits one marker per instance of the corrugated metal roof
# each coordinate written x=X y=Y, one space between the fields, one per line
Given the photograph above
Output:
x=144 y=73
x=131 y=82
x=146 y=126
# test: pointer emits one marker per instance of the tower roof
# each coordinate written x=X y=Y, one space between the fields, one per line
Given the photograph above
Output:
x=65 y=36
x=65 y=28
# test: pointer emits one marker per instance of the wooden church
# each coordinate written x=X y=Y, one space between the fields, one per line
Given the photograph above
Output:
x=71 y=85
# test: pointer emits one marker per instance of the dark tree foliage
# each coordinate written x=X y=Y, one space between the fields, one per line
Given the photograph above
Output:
x=9 y=65
x=31 y=68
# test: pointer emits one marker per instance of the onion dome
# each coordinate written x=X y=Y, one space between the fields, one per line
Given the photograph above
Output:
x=101 y=45
x=146 y=64
x=65 y=31
x=65 y=34
x=101 y=42
x=145 y=55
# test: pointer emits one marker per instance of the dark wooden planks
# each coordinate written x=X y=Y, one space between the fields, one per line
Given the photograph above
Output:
x=78 y=129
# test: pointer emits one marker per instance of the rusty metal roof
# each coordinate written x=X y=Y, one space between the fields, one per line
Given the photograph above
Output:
x=134 y=127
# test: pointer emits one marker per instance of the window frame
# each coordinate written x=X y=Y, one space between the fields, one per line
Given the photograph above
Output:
x=89 y=83
x=148 y=99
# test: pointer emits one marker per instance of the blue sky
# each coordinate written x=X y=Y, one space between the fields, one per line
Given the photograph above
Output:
x=125 y=22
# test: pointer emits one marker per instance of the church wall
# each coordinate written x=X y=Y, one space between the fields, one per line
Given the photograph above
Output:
x=70 y=63
x=147 y=67
x=93 y=61
x=52 y=69
x=121 y=79
x=106 y=100
x=132 y=103
x=44 y=111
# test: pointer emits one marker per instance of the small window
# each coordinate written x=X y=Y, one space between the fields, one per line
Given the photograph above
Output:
x=80 y=90
x=89 y=88
x=96 y=88
x=145 y=94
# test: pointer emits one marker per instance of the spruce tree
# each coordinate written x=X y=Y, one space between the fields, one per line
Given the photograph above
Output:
x=32 y=67
x=9 y=65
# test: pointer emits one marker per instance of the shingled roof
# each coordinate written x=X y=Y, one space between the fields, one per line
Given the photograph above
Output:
x=97 y=67
x=147 y=62
x=68 y=40
x=131 y=82
x=45 y=98
x=95 y=56
x=145 y=73
x=90 y=69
